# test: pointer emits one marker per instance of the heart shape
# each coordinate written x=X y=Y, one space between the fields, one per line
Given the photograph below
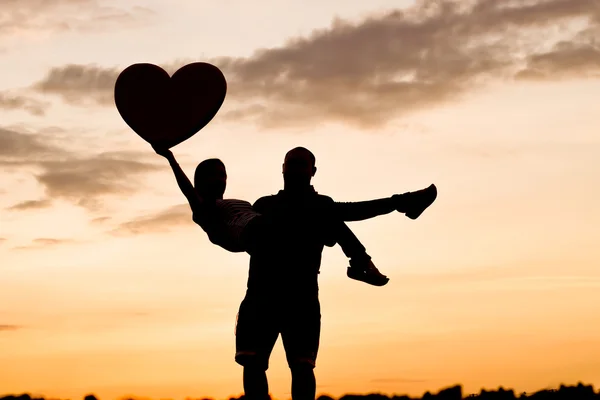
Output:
x=166 y=110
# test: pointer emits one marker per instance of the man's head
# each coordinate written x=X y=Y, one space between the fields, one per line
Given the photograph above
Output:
x=210 y=178
x=299 y=167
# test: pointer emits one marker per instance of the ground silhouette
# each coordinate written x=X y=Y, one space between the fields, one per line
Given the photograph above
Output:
x=564 y=392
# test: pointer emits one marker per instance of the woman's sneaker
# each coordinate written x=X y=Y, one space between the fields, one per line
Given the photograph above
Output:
x=366 y=271
x=412 y=204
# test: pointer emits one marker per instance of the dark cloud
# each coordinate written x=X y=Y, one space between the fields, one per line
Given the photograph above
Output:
x=83 y=180
x=156 y=223
x=77 y=84
x=565 y=60
x=80 y=179
x=370 y=72
x=9 y=101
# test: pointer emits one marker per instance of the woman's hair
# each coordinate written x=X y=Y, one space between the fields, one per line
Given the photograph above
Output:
x=204 y=168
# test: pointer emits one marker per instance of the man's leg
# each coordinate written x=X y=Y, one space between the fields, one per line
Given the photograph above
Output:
x=304 y=383
x=255 y=336
x=256 y=386
x=300 y=335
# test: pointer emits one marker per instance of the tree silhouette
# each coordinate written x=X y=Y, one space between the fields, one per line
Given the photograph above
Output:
x=564 y=392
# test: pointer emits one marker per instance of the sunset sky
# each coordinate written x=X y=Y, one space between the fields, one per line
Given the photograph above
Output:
x=108 y=287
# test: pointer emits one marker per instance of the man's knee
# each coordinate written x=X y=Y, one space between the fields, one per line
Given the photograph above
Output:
x=251 y=361
x=301 y=365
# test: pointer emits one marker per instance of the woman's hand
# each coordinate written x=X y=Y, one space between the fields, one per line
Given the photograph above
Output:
x=163 y=151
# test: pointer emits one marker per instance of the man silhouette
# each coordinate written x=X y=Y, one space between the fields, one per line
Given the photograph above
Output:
x=282 y=290
x=234 y=224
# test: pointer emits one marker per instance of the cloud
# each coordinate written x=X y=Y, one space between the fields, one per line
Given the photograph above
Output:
x=100 y=220
x=72 y=82
x=156 y=223
x=31 y=205
x=2 y=241
x=385 y=66
x=69 y=175
x=6 y=327
x=37 y=18
x=567 y=60
x=83 y=180
x=9 y=101
x=18 y=148
x=90 y=84
x=51 y=242
x=44 y=243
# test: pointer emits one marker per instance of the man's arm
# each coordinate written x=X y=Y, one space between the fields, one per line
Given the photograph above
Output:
x=338 y=232
x=262 y=205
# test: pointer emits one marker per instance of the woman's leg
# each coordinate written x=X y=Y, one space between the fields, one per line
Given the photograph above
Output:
x=411 y=203
x=361 y=267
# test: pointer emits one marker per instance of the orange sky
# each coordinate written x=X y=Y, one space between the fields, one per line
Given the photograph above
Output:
x=108 y=286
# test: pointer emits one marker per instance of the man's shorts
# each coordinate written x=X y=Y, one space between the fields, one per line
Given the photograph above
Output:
x=260 y=321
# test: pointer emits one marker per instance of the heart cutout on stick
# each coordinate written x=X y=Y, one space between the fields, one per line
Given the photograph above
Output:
x=166 y=110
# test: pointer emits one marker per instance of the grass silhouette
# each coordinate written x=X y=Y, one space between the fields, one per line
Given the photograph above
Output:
x=564 y=392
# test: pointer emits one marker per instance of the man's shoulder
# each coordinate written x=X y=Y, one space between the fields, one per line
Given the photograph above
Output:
x=274 y=199
x=322 y=199
x=265 y=201
x=269 y=196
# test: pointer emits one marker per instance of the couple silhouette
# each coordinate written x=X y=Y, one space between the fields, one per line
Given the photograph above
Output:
x=285 y=235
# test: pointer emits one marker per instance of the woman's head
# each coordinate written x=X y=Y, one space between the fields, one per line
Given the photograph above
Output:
x=210 y=178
